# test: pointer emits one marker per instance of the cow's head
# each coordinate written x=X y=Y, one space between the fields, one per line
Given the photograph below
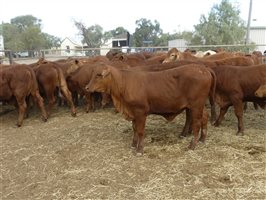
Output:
x=172 y=55
x=261 y=91
x=74 y=65
x=120 y=57
x=100 y=81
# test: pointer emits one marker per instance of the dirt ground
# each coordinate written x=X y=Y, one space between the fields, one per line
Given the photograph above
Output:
x=89 y=157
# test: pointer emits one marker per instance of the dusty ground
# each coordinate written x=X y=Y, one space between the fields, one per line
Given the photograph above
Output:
x=89 y=157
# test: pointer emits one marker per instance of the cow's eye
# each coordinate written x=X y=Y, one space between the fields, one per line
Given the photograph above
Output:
x=98 y=75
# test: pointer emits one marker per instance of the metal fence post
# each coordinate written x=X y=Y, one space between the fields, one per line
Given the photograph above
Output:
x=43 y=54
x=10 y=56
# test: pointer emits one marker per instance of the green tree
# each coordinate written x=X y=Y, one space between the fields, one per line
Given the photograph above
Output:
x=92 y=36
x=32 y=38
x=112 y=33
x=146 y=33
x=165 y=37
x=26 y=21
x=24 y=33
x=11 y=37
x=51 y=41
x=30 y=35
x=222 y=26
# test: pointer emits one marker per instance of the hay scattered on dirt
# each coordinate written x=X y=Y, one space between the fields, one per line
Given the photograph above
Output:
x=89 y=157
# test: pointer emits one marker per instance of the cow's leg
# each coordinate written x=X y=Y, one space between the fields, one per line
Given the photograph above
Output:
x=255 y=106
x=89 y=102
x=22 y=106
x=51 y=102
x=213 y=114
x=135 y=136
x=49 y=90
x=139 y=126
x=105 y=100
x=220 y=118
x=204 y=123
x=67 y=94
x=213 y=109
x=245 y=105
x=61 y=99
x=75 y=98
x=39 y=100
x=238 y=108
x=196 y=124
x=187 y=125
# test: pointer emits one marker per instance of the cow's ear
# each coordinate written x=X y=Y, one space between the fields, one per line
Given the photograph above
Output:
x=105 y=72
x=76 y=61
x=121 y=57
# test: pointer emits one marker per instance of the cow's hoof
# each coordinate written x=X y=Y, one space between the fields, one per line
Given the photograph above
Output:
x=74 y=114
x=181 y=136
x=240 y=134
x=216 y=124
x=139 y=154
x=191 y=146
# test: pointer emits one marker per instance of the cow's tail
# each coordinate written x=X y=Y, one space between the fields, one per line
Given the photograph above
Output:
x=212 y=95
x=64 y=89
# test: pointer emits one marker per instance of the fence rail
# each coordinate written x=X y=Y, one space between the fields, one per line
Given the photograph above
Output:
x=88 y=52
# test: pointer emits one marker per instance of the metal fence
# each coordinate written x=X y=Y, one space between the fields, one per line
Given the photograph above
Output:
x=9 y=56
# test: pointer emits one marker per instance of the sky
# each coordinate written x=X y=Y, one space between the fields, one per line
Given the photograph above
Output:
x=173 y=15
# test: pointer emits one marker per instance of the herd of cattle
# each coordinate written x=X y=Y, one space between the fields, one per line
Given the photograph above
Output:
x=139 y=84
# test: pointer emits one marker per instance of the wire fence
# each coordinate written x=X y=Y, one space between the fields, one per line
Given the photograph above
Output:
x=53 y=54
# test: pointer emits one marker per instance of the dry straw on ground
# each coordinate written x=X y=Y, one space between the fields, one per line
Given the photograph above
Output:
x=89 y=157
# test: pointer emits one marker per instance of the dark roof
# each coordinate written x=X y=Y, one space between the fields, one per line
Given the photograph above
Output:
x=121 y=36
x=258 y=27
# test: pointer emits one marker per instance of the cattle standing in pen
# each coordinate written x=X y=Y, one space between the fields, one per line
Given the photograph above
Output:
x=50 y=77
x=235 y=85
x=19 y=81
x=136 y=94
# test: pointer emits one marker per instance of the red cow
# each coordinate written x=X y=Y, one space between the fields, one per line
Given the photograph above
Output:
x=171 y=65
x=19 y=81
x=129 y=59
x=77 y=82
x=175 y=55
x=50 y=78
x=235 y=85
x=137 y=94
x=261 y=91
x=80 y=78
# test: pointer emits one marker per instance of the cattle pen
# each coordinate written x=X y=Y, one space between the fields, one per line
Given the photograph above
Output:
x=89 y=157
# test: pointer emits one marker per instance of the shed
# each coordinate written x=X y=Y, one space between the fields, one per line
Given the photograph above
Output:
x=257 y=35
x=119 y=41
x=180 y=44
x=70 y=47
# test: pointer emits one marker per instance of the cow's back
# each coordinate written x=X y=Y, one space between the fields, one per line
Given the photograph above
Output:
x=234 y=79
x=160 y=88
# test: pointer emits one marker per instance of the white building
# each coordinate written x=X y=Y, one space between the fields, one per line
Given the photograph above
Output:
x=2 y=53
x=257 y=34
x=120 y=41
x=106 y=47
x=180 y=44
x=69 y=47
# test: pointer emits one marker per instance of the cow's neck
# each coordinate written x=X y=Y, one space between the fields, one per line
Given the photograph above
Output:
x=117 y=91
